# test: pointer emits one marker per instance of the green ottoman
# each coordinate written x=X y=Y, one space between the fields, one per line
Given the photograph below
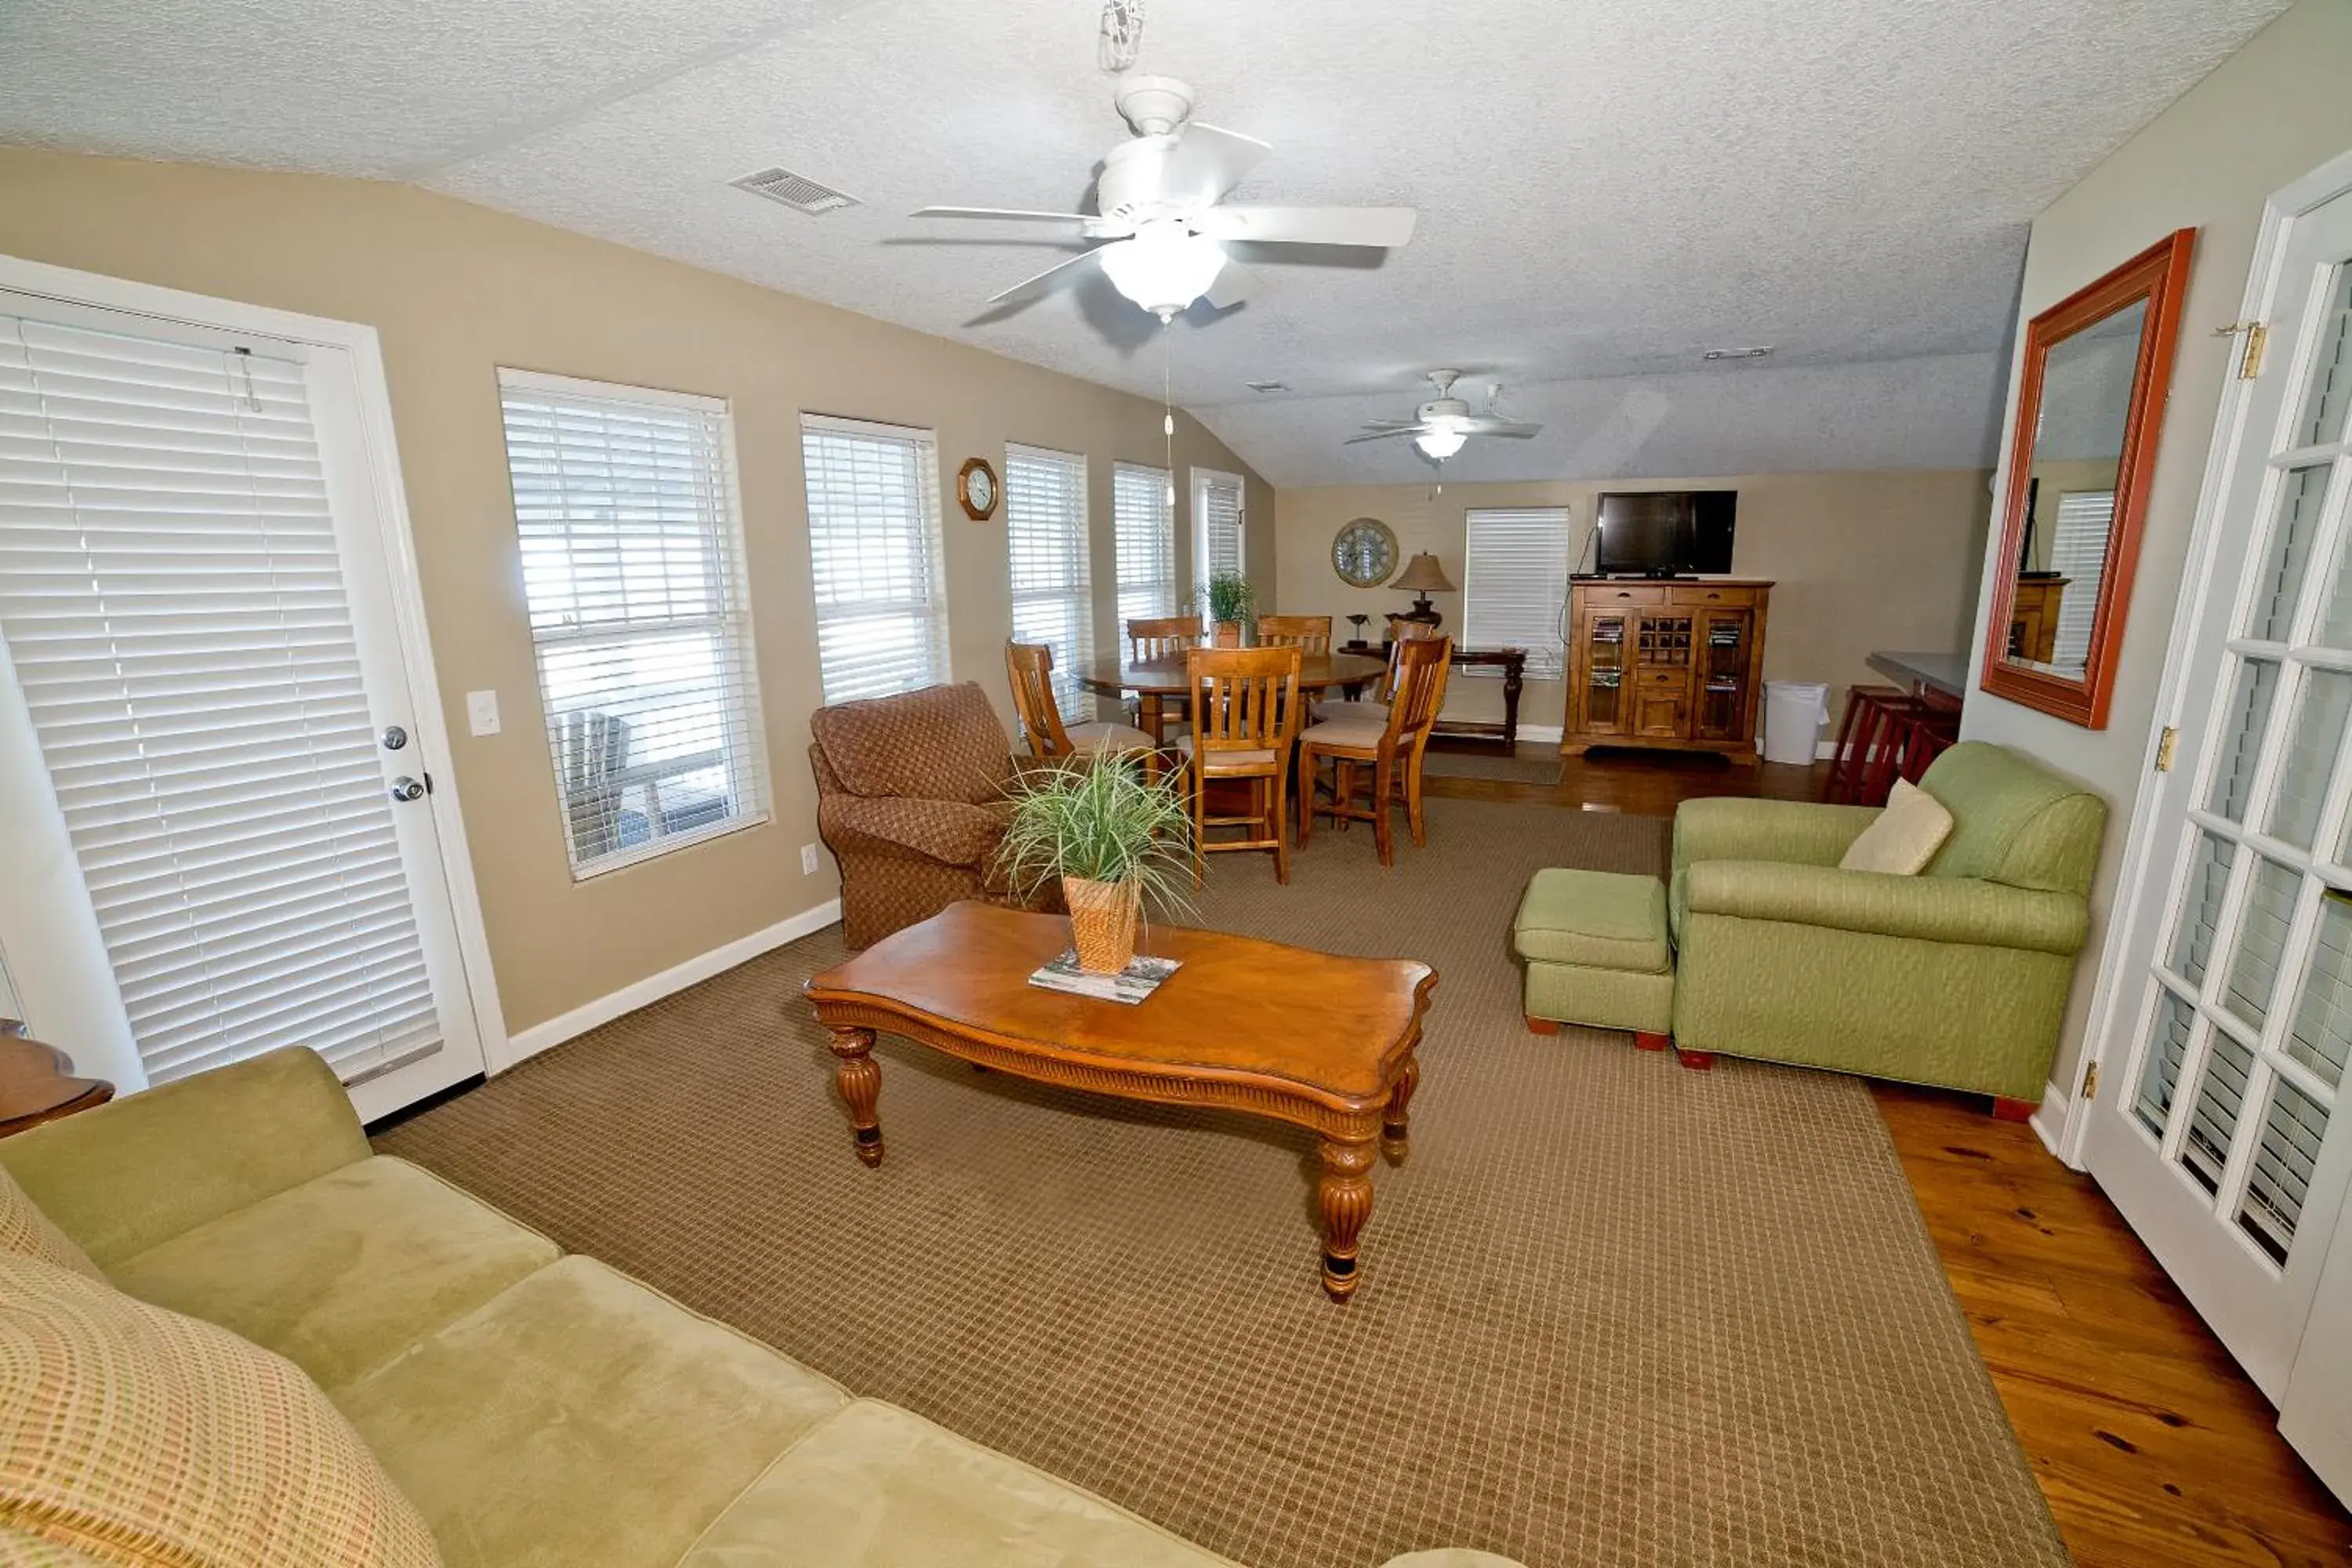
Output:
x=1596 y=951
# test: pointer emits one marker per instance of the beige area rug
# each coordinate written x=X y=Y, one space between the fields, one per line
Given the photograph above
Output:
x=1613 y=1312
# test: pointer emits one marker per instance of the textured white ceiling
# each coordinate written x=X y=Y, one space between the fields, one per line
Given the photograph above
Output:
x=1606 y=187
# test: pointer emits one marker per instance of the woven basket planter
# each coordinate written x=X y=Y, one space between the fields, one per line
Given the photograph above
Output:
x=1226 y=634
x=1102 y=922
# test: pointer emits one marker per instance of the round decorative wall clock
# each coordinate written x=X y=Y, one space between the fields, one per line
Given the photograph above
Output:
x=1364 y=552
x=976 y=489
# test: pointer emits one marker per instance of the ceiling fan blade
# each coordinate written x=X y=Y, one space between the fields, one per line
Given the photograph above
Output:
x=1045 y=282
x=1483 y=425
x=1394 y=427
x=1205 y=162
x=1385 y=226
x=1013 y=215
x=1384 y=435
x=1236 y=285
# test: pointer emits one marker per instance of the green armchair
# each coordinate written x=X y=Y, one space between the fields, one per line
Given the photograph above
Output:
x=1956 y=977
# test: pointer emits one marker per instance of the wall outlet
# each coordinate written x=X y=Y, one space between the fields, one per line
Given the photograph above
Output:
x=482 y=712
x=808 y=859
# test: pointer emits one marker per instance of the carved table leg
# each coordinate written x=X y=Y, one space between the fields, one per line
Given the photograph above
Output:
x=1394 y=1143
x=1345 y=1195
x=861 y=1082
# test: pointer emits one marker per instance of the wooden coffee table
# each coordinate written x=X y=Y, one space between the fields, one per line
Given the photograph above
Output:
x=1306 y=1038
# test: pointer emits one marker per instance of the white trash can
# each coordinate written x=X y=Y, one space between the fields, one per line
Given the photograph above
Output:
x=1794 y=713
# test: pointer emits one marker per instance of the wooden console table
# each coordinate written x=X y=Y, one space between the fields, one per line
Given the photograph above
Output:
x=1325 y=1042
x=1511 y=661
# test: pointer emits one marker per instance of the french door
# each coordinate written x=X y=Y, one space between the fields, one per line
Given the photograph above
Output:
x=225 y=838
x=2220 y=1128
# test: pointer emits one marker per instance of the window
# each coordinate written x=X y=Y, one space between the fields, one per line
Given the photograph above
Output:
x=1515 y=586
x=1218 y=523
x=2078 y=550
x=633 y=573
x=874 y=551
x=1144 y=522
x=1045 y=539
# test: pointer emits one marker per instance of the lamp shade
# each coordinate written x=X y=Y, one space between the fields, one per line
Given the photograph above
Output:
x=1422 y=575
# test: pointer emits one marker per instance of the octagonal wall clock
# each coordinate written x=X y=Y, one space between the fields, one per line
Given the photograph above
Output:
x=976 y=489
x=1364 y=552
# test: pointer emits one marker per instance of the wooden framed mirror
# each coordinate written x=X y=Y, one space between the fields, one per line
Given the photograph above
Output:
x=2089 y=406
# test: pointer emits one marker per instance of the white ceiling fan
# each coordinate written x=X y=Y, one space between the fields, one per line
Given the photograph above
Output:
x=1441 y=426
x=1157 y=209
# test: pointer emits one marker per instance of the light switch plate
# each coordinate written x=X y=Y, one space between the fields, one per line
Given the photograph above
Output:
x=808 y=859
x=482 y=712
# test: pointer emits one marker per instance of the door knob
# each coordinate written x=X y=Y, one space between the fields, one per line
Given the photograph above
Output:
x=406 y=788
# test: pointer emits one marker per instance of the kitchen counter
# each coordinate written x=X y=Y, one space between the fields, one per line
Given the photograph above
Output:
x=1945 y=674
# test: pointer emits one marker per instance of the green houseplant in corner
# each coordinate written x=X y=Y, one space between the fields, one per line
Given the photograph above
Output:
x=1231 y=601
x=1112 y=837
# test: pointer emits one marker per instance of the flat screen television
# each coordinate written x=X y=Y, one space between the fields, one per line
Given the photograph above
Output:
x=1658 y=533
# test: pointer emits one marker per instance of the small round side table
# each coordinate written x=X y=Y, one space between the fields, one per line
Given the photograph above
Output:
x=37 y=1083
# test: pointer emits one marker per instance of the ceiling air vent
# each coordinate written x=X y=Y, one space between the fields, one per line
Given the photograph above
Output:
x=797 y=192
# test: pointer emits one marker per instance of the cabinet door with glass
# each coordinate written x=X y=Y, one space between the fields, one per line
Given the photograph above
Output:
x=1603 y=701
x=1724 y=686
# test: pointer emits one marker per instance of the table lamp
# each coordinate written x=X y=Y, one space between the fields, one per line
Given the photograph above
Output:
x=1422 y=576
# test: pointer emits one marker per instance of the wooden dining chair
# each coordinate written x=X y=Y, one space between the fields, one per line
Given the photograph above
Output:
x=1391 y=748
x=1030 y=667
x=1163 y=636
x=1309 y=634
x=1245 y=715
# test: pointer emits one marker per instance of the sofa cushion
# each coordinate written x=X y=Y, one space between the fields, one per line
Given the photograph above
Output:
x=1602 y=920
x=1905 y=837
x=341 y=1273
x=942 y=742
x=137 y=1434
x=579 y=1420
x=25 y=1231
x=877 y=1488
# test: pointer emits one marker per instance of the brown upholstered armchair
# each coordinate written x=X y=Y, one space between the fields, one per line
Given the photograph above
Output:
x=910 y=798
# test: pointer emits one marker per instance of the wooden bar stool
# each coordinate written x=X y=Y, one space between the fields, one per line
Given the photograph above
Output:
x=1865 y=710
x=1897 y=718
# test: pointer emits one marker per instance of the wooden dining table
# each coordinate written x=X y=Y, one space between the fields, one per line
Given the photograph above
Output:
x=1154 y=680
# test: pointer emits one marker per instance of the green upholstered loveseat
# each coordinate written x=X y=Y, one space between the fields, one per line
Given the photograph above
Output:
x=1956 y=977
x=538 y=1409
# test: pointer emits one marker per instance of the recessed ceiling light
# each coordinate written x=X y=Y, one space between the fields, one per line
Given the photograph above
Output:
x=1736 y=353
x=1267 y=385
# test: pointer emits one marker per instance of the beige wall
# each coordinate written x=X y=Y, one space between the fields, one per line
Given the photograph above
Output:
x=2269 y=114
x=1859 y=562
x=456 y=291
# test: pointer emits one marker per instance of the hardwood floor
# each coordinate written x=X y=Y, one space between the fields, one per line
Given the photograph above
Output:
x=2151 y=1446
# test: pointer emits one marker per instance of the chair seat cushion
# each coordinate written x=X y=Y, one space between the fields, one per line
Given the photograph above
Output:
x=1346 y=732
x=1103 y=736
x=878 y=1487
x=341 y=1273
x=1228 y=759
x=1600 y=920
x=582 y=1420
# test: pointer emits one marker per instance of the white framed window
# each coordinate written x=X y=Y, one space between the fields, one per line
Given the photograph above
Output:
x=1045 y=545
x=625 y=501
x=2078 y=550
x=1515 y=586
x=874 y=555
x=1219 y=524
x=1143 y=519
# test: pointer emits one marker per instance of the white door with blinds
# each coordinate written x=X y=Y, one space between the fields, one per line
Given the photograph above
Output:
x=1515 y=586
x=1045 y=546
x=632 y=539
x=1143 y=508
x=875 y=556
x=1219 y=524
x=208 y=715
x=2218 y=1125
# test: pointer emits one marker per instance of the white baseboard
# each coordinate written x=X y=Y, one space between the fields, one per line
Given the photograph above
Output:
x=2049 y=1123
x=1826 y=751
x=1550 y=732
x=677 y=977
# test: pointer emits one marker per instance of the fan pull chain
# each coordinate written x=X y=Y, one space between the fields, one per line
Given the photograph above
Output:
x=1168 y=411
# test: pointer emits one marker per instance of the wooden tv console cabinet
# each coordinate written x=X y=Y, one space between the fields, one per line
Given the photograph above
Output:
x=1669 y=663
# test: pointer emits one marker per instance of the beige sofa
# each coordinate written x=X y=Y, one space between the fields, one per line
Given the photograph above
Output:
x=538 y=1409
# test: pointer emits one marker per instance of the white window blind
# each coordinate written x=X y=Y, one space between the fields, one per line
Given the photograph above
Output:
x=1144 y=525
x=631 y=566
x=1515 y=586
x=175 y=606
x=2078 y=552
x=874 y=549
x=1218 y=521
x=1046 y=535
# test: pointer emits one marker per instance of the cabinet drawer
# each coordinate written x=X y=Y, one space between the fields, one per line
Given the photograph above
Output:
x=1610 y=595
x=1666 y=677
x=1705 y=595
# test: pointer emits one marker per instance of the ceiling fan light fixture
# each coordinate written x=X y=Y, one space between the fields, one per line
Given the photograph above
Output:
x=1441 y=442
x=1163 y=267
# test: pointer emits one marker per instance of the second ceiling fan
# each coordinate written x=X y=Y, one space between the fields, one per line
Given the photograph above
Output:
x=1440 y=426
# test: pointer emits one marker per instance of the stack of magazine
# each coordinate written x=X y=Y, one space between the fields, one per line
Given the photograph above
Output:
x=1139 y=979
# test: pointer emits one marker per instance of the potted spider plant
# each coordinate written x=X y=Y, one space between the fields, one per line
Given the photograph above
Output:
x=1112 y=837
x=1231 y=601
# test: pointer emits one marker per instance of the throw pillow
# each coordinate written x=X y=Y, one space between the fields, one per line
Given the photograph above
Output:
x=137 y=1437
x=25 y=1231
x=1905 y=837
